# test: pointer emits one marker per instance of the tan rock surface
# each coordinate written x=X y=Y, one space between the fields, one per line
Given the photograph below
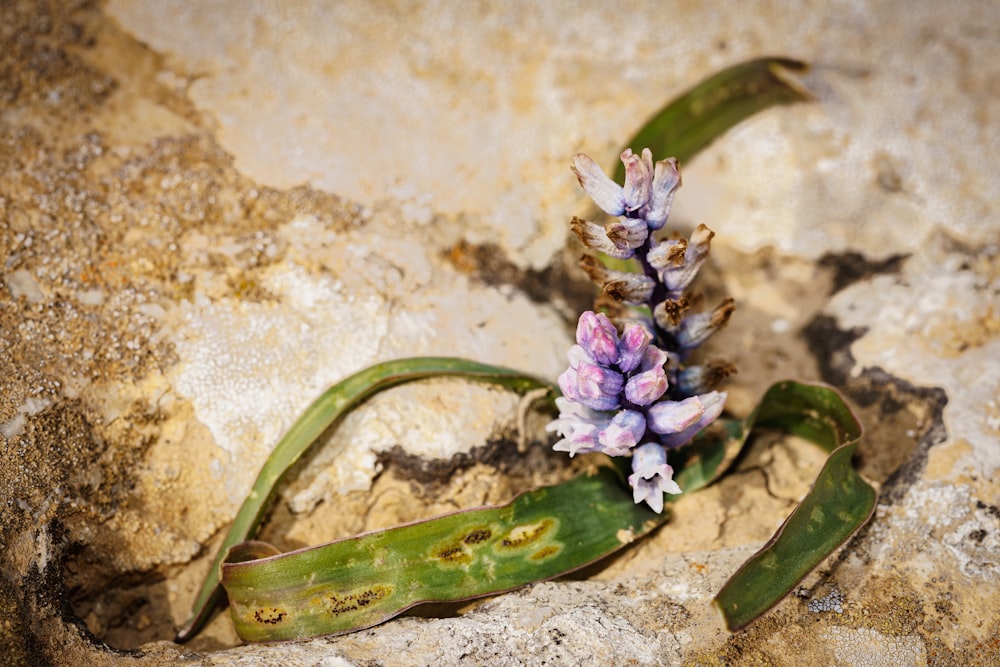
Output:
x=172 y=296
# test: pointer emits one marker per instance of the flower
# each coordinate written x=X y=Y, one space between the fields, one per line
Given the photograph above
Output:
x=602 y=368
x=623 y=433
x=702 y=378
x=605 y=192
x=695 y=329
x=610 y=380
x=584 y=430
x=578 y=427
x=648 y=382
x=644 y=200
x=678 y=261
x=666 y=180
x=622 y=285
x=614 y=398
x=678 y=422
x=615 y=391
x=620 y=243
x=651 y=476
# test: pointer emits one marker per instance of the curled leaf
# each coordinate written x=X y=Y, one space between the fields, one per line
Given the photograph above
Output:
x=838 y=504
x=358 y=582
x=326 y=409
x=689 y=123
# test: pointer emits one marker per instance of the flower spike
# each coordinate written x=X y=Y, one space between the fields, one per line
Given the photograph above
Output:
x=629 y=393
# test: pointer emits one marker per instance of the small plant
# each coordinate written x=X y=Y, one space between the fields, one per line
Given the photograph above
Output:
x=632 y=395
x=630 y=392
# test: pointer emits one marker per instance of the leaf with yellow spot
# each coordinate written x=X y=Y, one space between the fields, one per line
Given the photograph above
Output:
x=358 y=582
x=538 y=535
x=543 y=534
x=323 y=412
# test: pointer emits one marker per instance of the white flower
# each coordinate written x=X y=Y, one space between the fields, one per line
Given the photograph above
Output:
x=651 y=476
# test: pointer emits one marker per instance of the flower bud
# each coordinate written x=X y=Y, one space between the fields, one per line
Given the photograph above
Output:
x=644 y=388
x=623 y=433
x=650 y=383
x=695 y=329
x=594 y=386
x=635 y=339
x=666 y=180
x=638 y=180
x=674 y=416
x=578 y=426
x=711 y=405
x=605 y=192
x=598 y=337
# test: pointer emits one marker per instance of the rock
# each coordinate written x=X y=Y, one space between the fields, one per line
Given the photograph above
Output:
x=209 y=213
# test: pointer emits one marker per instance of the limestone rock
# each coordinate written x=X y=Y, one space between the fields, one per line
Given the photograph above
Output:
x=211 y=211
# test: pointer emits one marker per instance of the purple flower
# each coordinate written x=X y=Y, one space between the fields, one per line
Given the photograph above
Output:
x=623 y=433
x=678 y=422
x=629 y=393
x=589 y=383
x=651 y=476
x=600 y=361
x=597 y=335
x=638 y=179
x=650 y=381
x=615 y=199
x=632 y=350
x=605 y=192
x=584 y=430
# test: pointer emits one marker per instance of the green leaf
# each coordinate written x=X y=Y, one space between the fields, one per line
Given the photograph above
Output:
x=694 y=120
x=839 y=503
x=689 y=123
x=325 y=410
x=361 y=581
x=358 y=582
x=355 y=583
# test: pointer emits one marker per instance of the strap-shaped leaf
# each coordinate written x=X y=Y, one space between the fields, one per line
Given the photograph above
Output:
x=355 y=583
x=361 y=581
x=838 y=504
x=326 y=409
x=692 y=121
x=689 y=123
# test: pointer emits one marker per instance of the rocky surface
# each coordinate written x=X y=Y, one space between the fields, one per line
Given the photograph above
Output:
x=209 y=212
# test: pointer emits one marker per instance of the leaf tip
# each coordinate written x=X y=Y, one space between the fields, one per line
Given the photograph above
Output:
x=724 y=617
